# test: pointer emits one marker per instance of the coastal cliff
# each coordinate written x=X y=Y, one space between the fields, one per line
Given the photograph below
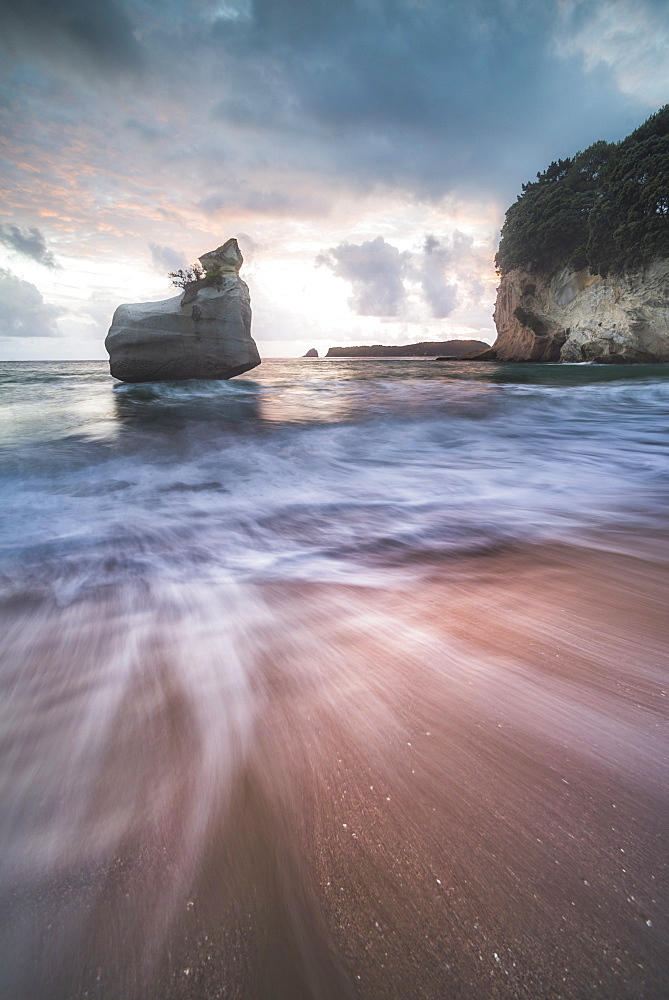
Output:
x=584 y=257
x=577 y=316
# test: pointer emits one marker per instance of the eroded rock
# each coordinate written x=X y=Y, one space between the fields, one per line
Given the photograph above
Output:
x=577 y=316
x=203 y=333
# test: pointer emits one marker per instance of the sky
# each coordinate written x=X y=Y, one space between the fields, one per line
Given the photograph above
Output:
x=363 y=152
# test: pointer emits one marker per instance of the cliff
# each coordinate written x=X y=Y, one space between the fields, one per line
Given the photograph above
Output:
x=584 y=256
x=426 y=349
x=577 y=316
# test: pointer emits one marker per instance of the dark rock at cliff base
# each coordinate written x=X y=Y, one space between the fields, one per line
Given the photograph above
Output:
x=203 y=333
x=311 y=353
x=490 y=354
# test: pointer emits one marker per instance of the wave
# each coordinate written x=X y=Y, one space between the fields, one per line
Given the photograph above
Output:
x=326 y=476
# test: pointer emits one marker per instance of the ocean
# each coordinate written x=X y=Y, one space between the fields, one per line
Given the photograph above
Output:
x=341 y=679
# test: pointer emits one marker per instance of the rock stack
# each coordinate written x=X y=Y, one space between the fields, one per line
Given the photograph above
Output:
x=203 y=333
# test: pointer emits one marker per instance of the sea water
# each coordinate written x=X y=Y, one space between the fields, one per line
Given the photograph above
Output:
x=214 y=593
x=330 y=469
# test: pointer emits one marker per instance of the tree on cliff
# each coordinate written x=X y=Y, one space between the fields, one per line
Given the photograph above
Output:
x=211 y=276
x=606 y=207
x=184 y=277
x=629 y=224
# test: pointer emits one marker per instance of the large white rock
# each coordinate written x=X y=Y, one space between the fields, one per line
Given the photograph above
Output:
x=203 y=333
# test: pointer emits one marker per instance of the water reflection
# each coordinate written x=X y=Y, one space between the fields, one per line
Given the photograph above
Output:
x=67 y=407
x=175 y=406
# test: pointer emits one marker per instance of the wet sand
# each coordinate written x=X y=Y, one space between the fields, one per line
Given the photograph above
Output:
x=453 y=789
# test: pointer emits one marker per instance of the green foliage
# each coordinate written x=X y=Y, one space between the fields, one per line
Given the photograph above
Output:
x=606 y=207
x=184 y=277
x=212 y=277
x=629 y=226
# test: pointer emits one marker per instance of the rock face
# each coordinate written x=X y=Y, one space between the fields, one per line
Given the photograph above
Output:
x=203 y=333
x=578 y=316
x=311 y=353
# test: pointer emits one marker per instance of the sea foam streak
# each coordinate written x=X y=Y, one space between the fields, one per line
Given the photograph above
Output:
x=312 y=476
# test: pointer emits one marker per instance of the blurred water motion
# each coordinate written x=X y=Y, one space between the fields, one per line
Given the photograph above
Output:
x=349 y=680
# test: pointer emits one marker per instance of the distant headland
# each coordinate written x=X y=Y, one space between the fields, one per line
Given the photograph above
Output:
x=425 y=349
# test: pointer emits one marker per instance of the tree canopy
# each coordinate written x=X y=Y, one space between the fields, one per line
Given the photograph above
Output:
x=606 y=207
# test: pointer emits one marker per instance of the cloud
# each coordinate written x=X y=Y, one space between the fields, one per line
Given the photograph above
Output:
x=631 y=40
x=427 y=97
x=248 y=245
x=448 y=269
x=441 y=296
x=147 y=131
x=267 y=201
x=29 y=242
x=166 y=259
x=389 y=283
x=23 y=311
x=374 y=270
x=101 y=33
x=423 y=97
x=310 y=125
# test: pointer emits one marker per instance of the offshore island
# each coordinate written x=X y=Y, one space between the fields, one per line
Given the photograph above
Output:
x=425 y=349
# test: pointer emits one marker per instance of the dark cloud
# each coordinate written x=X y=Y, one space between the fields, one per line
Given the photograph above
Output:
x=258 y=109
x=23 y=311
x=241 y=102
x=100 y=31
x=442 y=273
x=425 y=96
x=166 y=259
x=29 y=242
x=374 y=270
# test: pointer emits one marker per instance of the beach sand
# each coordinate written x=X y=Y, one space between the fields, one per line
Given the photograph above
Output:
x=452 y=789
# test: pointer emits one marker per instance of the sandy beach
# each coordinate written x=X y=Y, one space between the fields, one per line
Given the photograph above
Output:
x=457 y=790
